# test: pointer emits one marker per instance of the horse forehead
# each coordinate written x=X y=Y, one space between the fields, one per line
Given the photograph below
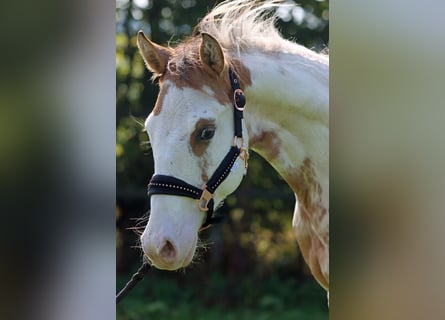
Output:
x=200 y=82
x=215 y=87
x=185 y=101
x=180 y=108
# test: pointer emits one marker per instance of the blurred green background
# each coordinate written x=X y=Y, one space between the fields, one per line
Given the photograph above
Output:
x=248 y=267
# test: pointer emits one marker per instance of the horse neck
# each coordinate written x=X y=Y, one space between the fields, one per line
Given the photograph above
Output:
x=287 y=117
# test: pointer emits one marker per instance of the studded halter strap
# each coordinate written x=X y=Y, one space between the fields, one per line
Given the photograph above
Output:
x=168 y=185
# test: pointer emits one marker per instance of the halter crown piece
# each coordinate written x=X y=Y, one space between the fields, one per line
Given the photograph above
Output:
x=162 y=184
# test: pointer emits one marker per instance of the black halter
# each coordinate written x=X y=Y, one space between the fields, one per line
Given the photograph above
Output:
x=162 y=184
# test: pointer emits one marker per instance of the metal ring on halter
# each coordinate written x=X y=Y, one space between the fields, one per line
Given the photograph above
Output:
x=237 y=93
x=244 y=155
x=244 y=152
x=206 y=196
x=238 y=142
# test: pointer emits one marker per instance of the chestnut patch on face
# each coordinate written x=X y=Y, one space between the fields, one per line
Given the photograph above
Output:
x=201 y=136
x=158 y=106
x=186 y=70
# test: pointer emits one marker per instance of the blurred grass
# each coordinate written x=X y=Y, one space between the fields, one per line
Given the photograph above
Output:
x=165 y=295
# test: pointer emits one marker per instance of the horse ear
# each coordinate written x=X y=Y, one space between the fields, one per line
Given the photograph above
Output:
x=154 y=55
x=211 y=53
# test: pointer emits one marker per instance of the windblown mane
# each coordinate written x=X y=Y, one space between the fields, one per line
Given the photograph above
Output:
x=242 y=24
x=239 y=26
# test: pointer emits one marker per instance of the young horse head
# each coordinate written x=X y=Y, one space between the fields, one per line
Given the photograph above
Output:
x=191 y=130
x=200 y=143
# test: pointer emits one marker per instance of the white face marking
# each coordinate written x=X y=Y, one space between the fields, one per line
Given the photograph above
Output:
x=170 y=237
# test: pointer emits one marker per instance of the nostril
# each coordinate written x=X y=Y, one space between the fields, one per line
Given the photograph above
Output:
x=168 y=251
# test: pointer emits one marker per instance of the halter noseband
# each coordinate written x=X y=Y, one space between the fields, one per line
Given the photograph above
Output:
x=168 y=185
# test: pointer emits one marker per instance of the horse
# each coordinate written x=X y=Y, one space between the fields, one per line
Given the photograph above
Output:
x=201 y=129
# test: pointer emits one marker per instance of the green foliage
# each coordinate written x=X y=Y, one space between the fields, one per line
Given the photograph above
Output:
x=185 y=297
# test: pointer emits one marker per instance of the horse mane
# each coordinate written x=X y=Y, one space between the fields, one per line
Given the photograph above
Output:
x=243 y=24
x=239 y=26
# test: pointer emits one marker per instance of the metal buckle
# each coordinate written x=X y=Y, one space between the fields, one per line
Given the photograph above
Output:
x=235 y=94
x=244 y=152
x=206 y=196
x=244 y=155
x=238 y=142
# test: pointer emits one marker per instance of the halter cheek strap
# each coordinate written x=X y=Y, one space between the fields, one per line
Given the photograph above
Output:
x=168 y=185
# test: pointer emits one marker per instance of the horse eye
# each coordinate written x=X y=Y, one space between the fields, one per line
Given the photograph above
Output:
x=205 y=133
